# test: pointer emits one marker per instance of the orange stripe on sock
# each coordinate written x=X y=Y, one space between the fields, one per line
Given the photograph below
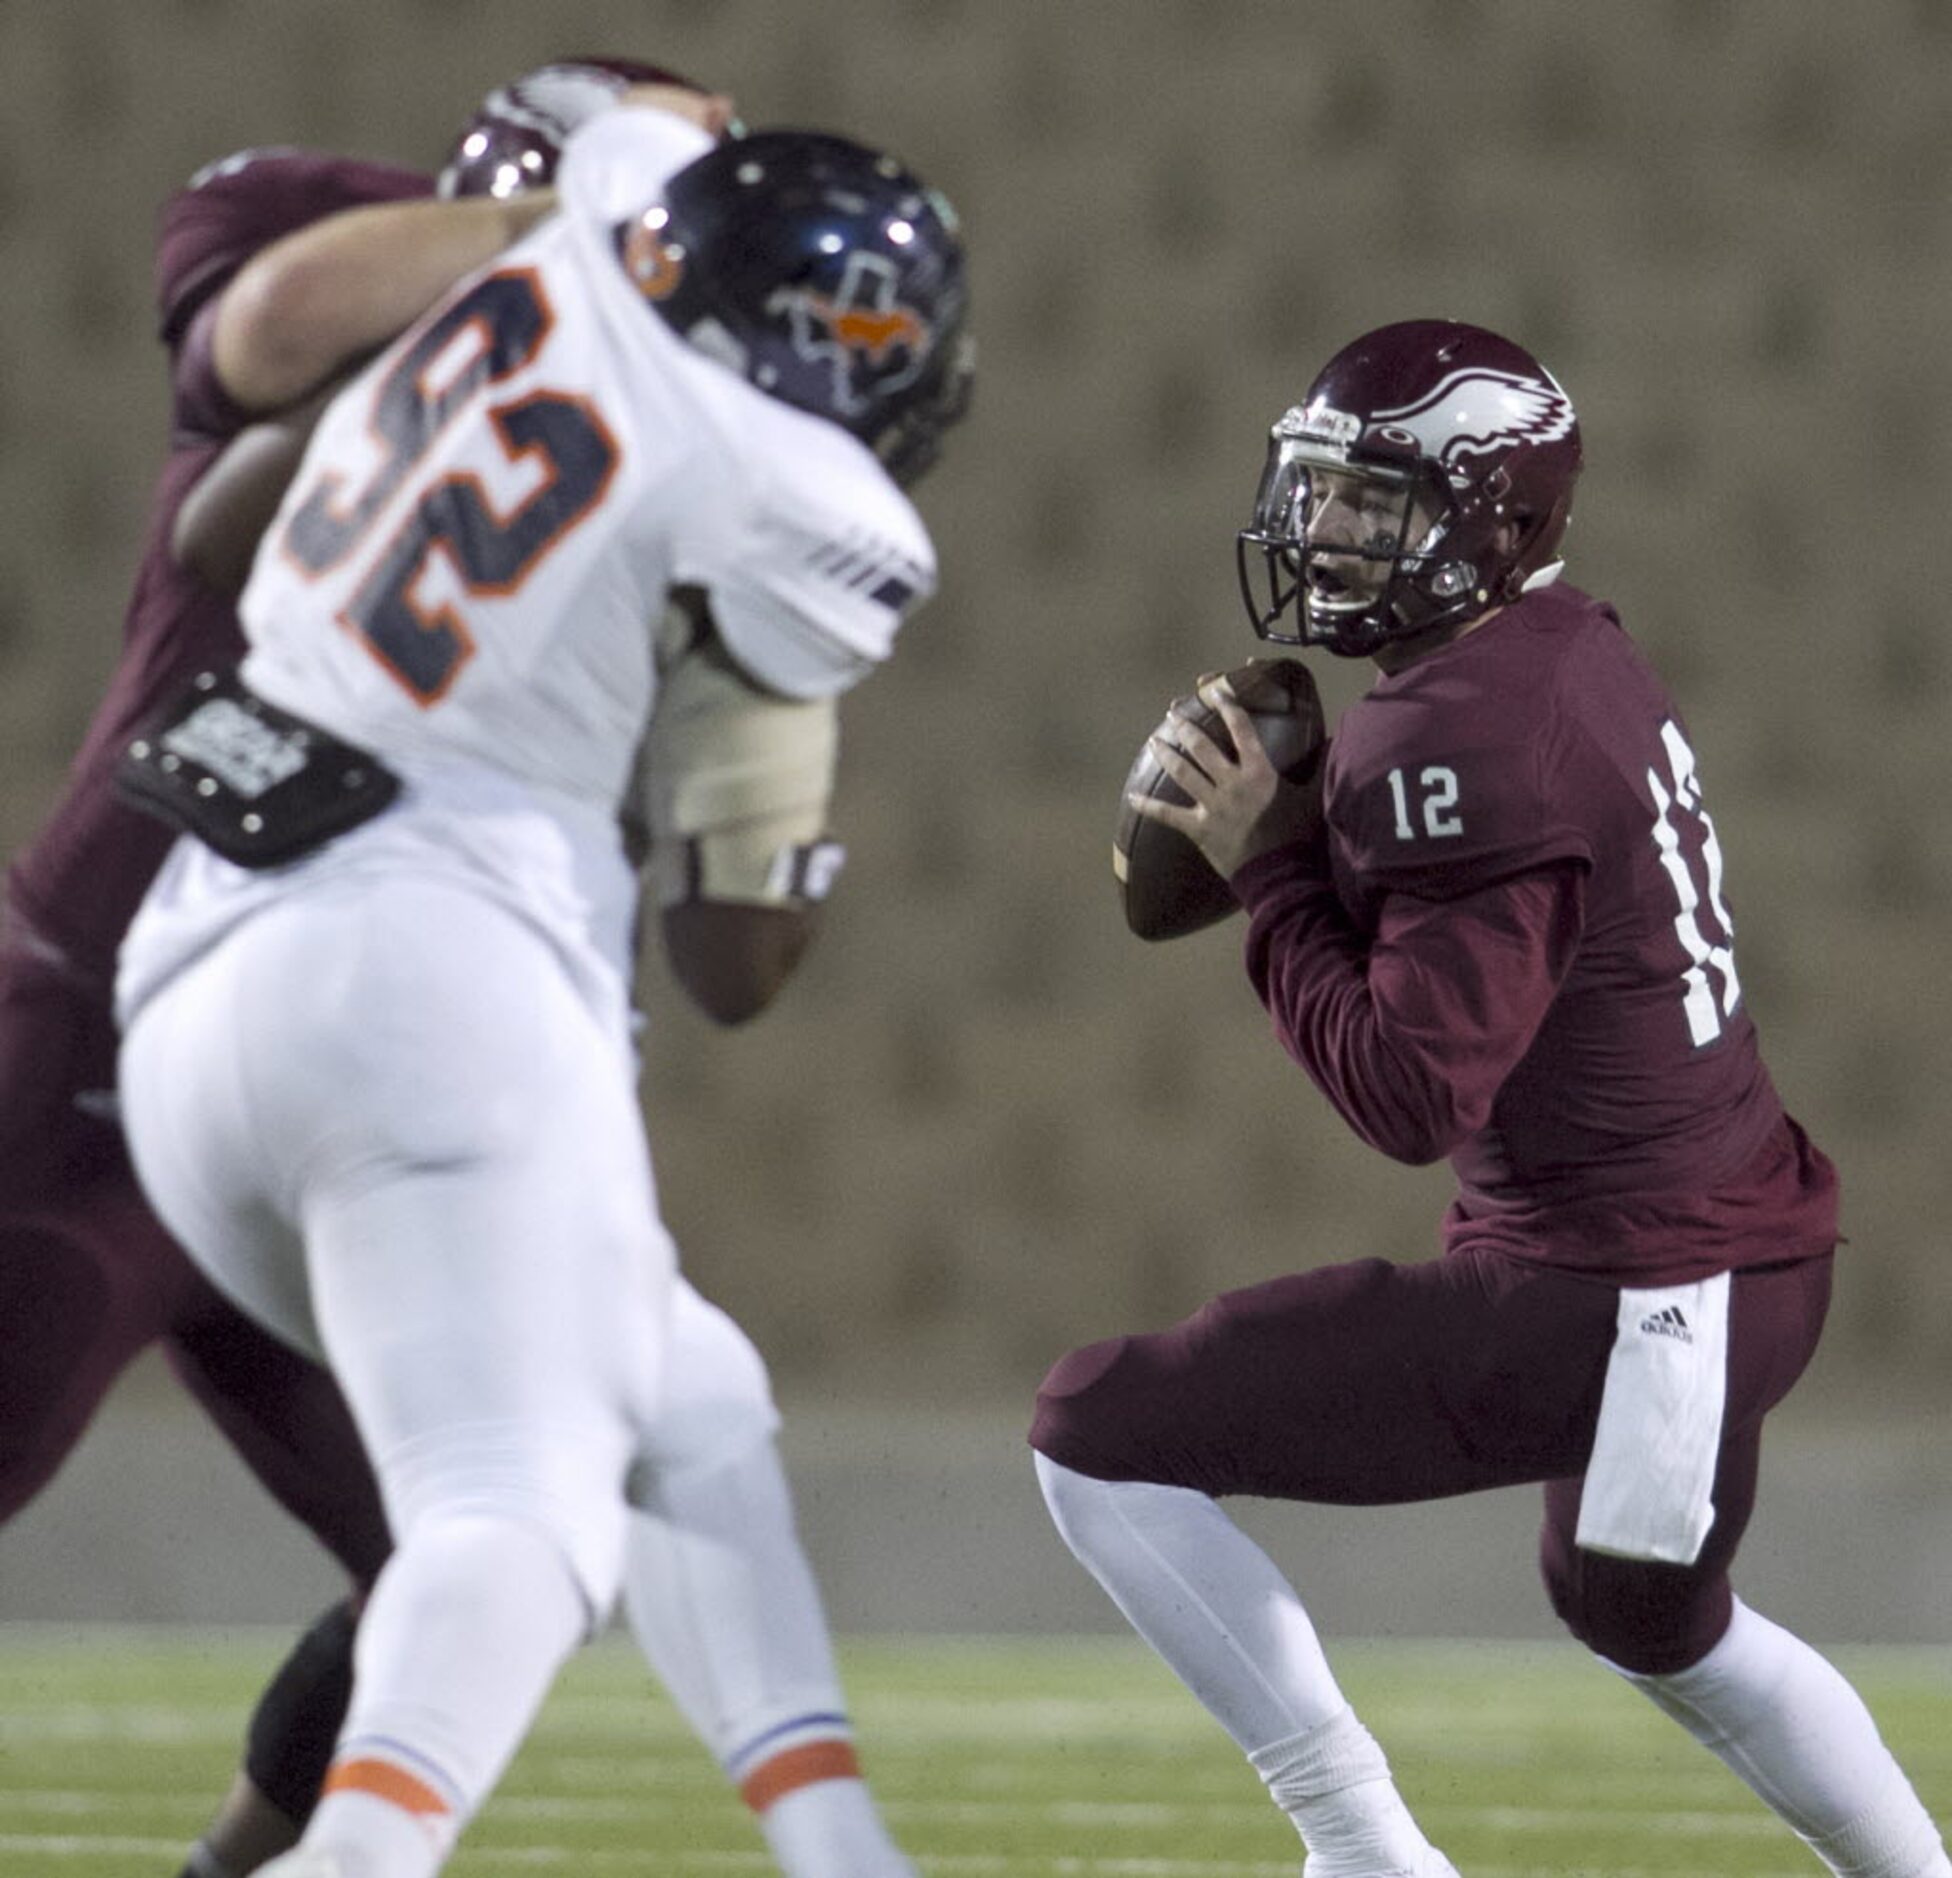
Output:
x=384 y=1781
x=798 y=1767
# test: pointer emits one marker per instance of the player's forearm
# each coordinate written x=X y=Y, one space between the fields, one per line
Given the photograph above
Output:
x=1409 y=1034
x=228 y=508
x=1311 y=974
x=309 y=304
x=734 y=960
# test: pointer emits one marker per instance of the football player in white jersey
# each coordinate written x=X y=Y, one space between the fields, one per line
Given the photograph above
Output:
x=377 y=1063
x=720 y=1594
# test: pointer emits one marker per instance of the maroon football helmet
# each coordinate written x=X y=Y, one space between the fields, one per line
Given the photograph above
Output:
x=1426 y=476
x=514 y=139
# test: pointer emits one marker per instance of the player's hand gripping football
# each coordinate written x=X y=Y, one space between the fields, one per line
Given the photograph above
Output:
x=1241 y=804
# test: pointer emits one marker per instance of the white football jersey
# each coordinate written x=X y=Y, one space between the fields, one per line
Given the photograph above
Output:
x=465 y=576
x=488 y=520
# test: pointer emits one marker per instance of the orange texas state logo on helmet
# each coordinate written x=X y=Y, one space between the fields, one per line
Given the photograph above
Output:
x=863 y=321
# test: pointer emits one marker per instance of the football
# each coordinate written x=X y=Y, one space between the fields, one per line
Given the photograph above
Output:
x=1164 y=881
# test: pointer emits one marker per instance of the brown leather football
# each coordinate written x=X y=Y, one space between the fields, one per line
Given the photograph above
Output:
x=1164 y=881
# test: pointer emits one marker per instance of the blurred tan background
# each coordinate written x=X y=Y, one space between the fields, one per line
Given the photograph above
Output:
x=987 y=1124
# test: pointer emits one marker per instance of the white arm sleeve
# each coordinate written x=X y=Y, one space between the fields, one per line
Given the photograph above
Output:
x=618 y=161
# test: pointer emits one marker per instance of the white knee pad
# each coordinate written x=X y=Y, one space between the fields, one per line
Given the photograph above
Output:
x=717 y=1400
x=566 y=1482
x=718 y=1588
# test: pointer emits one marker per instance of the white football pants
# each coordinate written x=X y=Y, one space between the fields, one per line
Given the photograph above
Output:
x=386 y=1119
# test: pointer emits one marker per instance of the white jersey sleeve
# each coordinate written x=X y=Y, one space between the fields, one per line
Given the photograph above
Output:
x=809 y=553
x=811 y=575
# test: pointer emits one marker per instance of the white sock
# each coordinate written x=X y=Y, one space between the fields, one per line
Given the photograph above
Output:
x=1800 y=1736
x=457 y=1647
x=724 y=1606
x=831 y=1829
x=370 y=1838
x=1334 y=1783
x=1227 y=1623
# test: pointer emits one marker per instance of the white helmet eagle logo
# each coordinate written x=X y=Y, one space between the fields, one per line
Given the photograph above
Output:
x=863 y=322
x=1480 y=410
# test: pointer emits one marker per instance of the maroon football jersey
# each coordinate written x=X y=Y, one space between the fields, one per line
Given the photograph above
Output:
x=75 y=887
x=1514 y=948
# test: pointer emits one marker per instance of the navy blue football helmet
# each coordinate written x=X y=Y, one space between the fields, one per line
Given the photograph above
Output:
x=827 y=274
x=515 y=137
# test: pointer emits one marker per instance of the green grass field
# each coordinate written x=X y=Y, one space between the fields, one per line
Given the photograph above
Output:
x=1074 y=1759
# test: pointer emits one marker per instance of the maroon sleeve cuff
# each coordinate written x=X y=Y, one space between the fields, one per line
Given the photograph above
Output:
x=203 y=408
x=1295 y=864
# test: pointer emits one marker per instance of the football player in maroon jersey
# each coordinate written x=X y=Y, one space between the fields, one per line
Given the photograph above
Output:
x=1491 y=928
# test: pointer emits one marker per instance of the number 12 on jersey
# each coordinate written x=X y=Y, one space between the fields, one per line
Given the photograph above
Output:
x=1436 y=803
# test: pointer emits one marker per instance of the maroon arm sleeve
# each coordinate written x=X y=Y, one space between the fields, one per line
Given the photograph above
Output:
x=1411 y=1033
x=203 y=408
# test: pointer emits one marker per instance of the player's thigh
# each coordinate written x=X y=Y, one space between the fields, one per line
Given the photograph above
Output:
x=64 y=1337
x=88 y=1280
x=190 y=1110
x=88 y=1275
x=57 y=1080
x=1657 y=1618
x=287 y=1421
x=1364 y=1384
x=716 y=1401
x=485 y=1256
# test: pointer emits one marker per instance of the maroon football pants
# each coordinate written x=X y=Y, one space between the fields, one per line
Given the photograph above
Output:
x=89 y=1278
x=1374 y=1384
